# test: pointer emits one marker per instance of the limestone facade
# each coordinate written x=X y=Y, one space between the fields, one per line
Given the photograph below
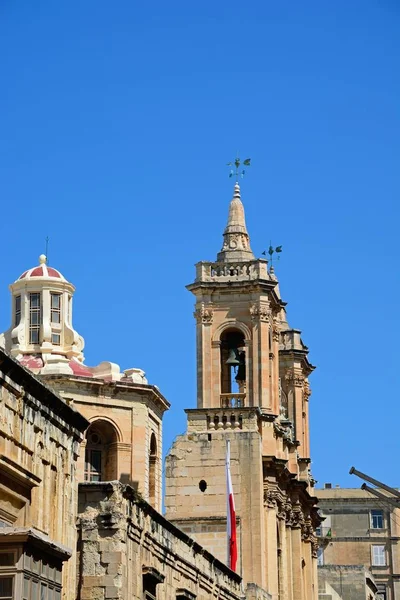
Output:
x=360 y=529
x=353 y=582
x=242 y=330
x=40 y=438
x=124 y=440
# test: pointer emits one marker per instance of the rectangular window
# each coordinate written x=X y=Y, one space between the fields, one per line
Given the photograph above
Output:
x=55 y=312
x=17 y=310
x=43 y=592
x=378 y=556
x=377 y=519
x=56 y=339
x=7 y=559
x=320 y=557
x=92 y=465
x=34 y=317
x=6 y=588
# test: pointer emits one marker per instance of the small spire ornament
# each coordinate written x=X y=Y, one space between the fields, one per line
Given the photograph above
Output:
x=238 y=171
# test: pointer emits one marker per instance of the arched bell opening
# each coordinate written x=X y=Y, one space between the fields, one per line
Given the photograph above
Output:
x=152 y=469
x=233 y=368
x=101 y=452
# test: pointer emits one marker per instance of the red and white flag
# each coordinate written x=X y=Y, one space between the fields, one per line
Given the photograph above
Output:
x=230 y=513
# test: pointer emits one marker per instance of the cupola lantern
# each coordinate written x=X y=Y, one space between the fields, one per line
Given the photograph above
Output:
x=41 y=328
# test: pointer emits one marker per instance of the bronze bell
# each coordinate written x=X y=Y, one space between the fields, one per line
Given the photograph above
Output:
x=241 y=374
x=233 y=358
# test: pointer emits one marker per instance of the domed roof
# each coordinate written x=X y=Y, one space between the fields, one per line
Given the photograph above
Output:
x=41 y=271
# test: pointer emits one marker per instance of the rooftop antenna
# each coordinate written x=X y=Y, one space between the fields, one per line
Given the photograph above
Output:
x=47 y=250
x=236 y=167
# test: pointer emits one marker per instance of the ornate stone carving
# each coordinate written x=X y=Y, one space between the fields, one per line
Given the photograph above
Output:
x=307 y=390
x=314 y=547
x=294 y=377
x=261 y=311
x=204 y=314
x=307 y=530
x=281 y=514
x=275 y=329
x=270 y=498
x=288 y=512
x=298 y=517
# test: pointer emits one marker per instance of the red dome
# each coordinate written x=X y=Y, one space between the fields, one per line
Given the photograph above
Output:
x=41 y=271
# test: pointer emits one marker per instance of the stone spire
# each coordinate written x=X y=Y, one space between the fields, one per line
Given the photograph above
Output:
x=236 y=247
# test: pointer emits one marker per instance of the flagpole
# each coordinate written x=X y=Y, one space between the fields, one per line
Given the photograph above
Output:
x=228 y=532
x=230 y=514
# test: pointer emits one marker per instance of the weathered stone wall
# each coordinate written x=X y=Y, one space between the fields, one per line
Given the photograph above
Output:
x=275 y=515
x=345 y=583
x=347 y=515
x=122 y=539
x=40 y=438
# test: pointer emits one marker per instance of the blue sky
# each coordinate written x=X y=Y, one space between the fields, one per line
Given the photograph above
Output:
x=117 y=120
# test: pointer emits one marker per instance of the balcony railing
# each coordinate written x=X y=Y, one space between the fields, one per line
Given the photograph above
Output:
x=233 y=400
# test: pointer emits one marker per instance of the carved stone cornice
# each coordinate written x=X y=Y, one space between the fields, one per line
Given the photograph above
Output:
x=260 y=311
x=204 y=314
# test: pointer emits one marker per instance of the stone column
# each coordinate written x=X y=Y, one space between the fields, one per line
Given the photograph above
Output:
x=204 y=316
x=260 y=315
x=282 y=556
x=271 y=542
x=289 y=559
x=297 y=567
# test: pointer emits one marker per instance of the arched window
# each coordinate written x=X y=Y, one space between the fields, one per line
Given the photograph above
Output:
x=233 y=362
x=152 y=469
x=101 y=452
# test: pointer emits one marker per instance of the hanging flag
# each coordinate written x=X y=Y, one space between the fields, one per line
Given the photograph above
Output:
x=230 y=513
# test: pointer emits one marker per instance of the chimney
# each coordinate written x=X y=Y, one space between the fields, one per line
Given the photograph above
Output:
x=327 y=486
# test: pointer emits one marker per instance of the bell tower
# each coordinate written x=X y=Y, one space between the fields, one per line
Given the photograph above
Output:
x=252 y=388
x=237 y=310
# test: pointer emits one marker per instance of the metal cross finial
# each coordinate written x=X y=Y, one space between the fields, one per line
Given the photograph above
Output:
x=47 y=249
x=237 y=171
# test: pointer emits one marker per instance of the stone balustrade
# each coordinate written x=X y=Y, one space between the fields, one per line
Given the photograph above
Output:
x=238 y=271
x=223 y=420
x=204 y=420
x=233 y=400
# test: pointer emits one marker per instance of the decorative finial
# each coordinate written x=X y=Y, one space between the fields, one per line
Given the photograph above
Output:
x=42 y=259
x=271 y=252
x=237 y=172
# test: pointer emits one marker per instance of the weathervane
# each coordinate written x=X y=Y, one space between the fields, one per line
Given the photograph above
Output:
x=237 y=171
x=272 y=251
